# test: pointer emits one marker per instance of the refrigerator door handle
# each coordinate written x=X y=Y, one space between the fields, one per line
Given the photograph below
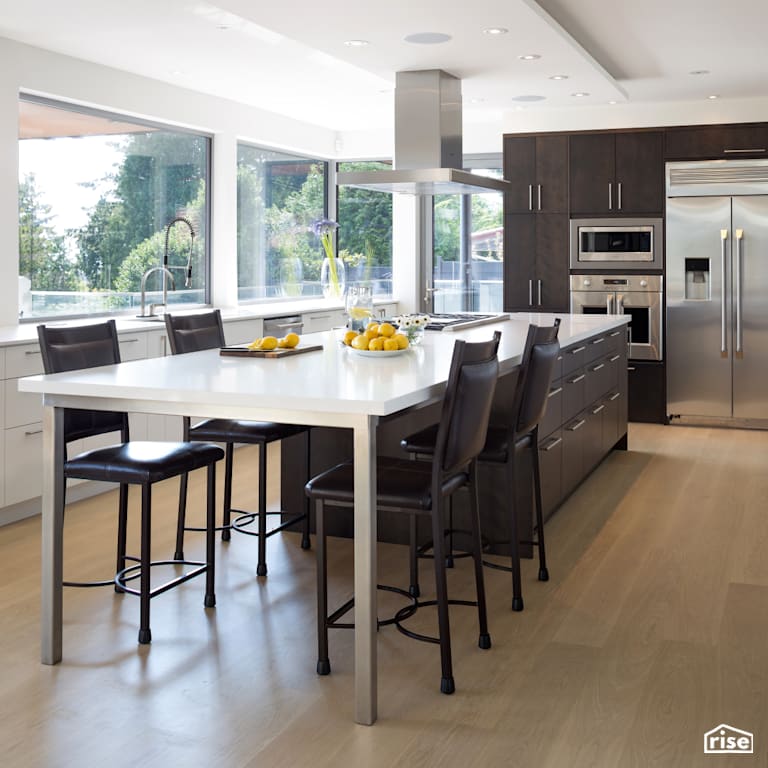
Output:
x=723 y=337
x=739 y=235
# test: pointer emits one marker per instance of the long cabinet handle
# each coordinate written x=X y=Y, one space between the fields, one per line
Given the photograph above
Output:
x=554 y=392
x=530 y=197
x=128 y=341
x=578 y=425
x=576 y=350
x=539 y=291
x=614 y=334
x=598 y=341
x=597 y=410
x=31 y=432
x=615 y=396
x=723 y=247
x=739 y=235
x=597 y=367
x=577 y=379
x=619 y=194
x=555 y=441
x=538 y=193
x=530 y=293
x=740 y=151
x=614 y=358
x=32 y=352
x=610 y=196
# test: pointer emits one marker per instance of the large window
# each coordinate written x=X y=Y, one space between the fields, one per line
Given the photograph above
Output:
x=365 y=231
x=279 y=196
x=97 y=193
x=468 y=260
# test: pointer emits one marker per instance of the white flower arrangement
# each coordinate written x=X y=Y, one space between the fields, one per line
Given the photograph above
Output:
x=411 y=325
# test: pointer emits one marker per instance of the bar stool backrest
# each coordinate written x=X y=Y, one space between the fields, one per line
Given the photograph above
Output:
x=193 y=333
x=74 y=348
x=467 y=404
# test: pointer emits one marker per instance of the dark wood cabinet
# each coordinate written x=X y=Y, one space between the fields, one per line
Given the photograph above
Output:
x=706 y=142
x=616 y=173
x=537 y=169
x=647 y=392
x=536 y=262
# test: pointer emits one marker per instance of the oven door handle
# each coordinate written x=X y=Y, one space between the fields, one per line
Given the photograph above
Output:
x=619 y=304
x=609 y=303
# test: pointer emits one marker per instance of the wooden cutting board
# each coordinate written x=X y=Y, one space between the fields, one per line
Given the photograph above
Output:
x=243 y=351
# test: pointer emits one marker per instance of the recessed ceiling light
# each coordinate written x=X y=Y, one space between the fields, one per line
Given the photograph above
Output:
x=713 y=96
x=476 y=101
x=495 y=31
x=699 y=72
x=356 y=43
x=580 y=94
x=558 y=77
x=612 y=102
x=529 y=57
x=529 y=98
x=427 y=38
x=223 y=27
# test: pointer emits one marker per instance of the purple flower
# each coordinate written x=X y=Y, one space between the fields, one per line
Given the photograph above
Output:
x=324 y=227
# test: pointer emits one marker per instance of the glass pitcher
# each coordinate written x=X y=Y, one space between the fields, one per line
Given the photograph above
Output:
x=359 y=306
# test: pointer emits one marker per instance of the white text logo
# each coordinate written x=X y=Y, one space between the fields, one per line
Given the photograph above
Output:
x=727 y=740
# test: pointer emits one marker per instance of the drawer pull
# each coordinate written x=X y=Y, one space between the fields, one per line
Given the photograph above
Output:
x=554 y=392
x=614 y=358
x=615 y=396
x=577 y=379
x=311 y=317
x=737 y=151
x=614 y=334
x=298 y=326
x=597 y=410
x=128 y=341
x=631 y=368
x=577 y=350
x=555 y=441
x=598 y=367
x=598 y=341
x=578 y=425
x=31 y=432
x=32 y=352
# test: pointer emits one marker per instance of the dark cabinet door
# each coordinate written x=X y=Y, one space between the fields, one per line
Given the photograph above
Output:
x=551 y=278
x=717 y=141
x=519 y=261
x=551 y=469
x=639 y=172
x=647 y=392
x=592 y=171
x=551 y=192
x=520 y=172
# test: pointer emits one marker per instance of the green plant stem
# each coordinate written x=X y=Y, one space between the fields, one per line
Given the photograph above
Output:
x=327 y=240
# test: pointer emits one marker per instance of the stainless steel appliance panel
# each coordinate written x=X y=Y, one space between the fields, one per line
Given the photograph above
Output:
x=699 y=326
x=619 y=244
x=750 y=307
x=645 y=338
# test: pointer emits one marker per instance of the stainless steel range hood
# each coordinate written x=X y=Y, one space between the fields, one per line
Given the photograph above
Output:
x=428 y=143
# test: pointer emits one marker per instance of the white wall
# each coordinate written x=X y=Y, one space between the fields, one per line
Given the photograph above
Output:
x=24 y=68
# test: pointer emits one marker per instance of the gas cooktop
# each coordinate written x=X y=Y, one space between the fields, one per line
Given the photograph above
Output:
x=457 y=321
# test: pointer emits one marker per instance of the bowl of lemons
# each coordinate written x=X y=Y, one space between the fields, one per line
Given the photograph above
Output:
x=377 y=340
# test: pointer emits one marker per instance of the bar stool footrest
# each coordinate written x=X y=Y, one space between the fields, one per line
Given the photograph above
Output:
x=332 y=622
x=133 y=571
x=409 y=610
x=106 y=582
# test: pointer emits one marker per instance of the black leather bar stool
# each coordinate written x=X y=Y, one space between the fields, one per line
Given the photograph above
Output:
x=421 y=488
x=127 y=463
x=193 y=333
x=505 y=444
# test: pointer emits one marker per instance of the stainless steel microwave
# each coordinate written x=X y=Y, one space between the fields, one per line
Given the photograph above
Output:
x=616 y=244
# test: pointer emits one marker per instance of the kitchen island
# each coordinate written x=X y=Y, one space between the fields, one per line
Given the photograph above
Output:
x=329 y=388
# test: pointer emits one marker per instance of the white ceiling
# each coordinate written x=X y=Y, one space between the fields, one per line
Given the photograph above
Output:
x=289 y=56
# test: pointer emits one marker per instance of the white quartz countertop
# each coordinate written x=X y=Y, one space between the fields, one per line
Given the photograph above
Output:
x=335 y=379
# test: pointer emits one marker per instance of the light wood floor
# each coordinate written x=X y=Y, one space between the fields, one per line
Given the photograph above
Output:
x=651 y=631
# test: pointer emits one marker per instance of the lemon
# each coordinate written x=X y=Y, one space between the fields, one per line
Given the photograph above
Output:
x=281 y=344
x=377 y=344
x=291 y=340
x=391 y=345
x=387 y=329
x=268 y=343
x=402 y=340
x=372 y=328
x=359 y=342
x=359 y=313
x=371 y=333
x=255 y=344
x=348 y=336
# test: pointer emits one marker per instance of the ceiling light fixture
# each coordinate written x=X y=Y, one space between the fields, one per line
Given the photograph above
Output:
x=427 y=38
x=356 y=43
x=558 y=77
x=612 y=102
x=713 y=96
x=529 y=57
x=699 y=72
x=580 y=94
x=495 y=31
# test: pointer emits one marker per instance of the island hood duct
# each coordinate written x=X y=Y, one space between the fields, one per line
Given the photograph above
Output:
x=428 y=143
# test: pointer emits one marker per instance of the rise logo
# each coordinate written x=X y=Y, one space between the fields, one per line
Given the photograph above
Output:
x=726 y=740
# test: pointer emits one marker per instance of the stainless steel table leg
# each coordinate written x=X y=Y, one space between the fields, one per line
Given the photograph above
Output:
x=365 y=571
x=52 y=534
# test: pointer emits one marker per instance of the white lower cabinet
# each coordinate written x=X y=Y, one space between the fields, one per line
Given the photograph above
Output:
x=323 y=320
x=243 y=331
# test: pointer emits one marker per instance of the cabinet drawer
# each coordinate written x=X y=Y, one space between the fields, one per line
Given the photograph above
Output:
x=573 y=393
x=551 y=467
x=615 y=340
x=23 y=463
x=323 y=321
x=21 y=407
x=553 y=412
x=243 y=331
x=596 y=347
x=133 y=346
x=23 y=360
x=573 y=357
x=573 y=450
x=713 y=141
x=600 y=378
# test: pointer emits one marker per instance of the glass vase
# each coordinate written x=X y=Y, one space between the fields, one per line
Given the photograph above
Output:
x=333 y=279
x=359 y=306
x=291 y=276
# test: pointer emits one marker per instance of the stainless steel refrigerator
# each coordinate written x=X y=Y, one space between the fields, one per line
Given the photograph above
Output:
x=717 y=291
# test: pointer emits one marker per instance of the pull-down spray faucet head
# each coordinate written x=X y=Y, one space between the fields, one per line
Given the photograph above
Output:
x=188 y=268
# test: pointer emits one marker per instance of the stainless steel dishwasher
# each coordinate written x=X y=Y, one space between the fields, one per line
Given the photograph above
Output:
x=280 y=326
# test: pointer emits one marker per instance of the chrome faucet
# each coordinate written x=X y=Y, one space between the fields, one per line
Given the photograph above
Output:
x=166 y=269
x=166 y=273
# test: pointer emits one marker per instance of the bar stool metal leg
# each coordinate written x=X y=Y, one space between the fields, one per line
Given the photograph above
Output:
x=323 y=662
x=226 y=533
x=447 y=684
x=122 y=526
x=543 y=572
x=484 y=639
x=261 y=567
x=182 y=518
x=145 y=634
x=514 y=541
x=210 y=540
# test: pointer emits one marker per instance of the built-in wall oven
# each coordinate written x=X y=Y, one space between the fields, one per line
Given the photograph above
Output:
x=639 y=296
x=620 y=244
